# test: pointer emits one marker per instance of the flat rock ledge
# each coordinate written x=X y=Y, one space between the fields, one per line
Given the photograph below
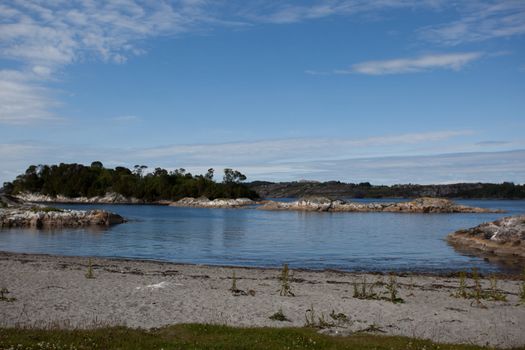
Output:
x=55 y=218
x=419 y=205
x=501 y=237
x=108 y=198
x=204 y=202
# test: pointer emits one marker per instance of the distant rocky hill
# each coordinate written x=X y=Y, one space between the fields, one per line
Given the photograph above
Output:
x=336 y=189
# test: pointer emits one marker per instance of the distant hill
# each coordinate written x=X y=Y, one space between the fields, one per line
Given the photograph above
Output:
x=336 y=189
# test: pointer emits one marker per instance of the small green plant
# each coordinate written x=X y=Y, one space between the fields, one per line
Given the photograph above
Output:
x=3 y=295
x=236 y=291
x=340 y=319
x=462 y=288
x=279 y=316
x=373 y=328
x=391 y=287
x=234 y=282
x=286 y=289
x=316 y=322
x=522 y=289
x=361 y=291
x=478 y=291
x=89 y=273
x=46 y=209
x=495 y=293
x=309 y=316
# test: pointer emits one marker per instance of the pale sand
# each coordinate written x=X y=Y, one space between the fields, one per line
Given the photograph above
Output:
x=53 y=291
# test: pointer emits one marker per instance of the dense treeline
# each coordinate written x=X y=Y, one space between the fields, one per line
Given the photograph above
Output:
x=76 y=180
x=507 y=190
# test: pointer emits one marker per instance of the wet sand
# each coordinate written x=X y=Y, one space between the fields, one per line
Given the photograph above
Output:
x=53 y=291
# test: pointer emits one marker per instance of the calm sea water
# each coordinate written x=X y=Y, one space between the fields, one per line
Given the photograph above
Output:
x=249 y=237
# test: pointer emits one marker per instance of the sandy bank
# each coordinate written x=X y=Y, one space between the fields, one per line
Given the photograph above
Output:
x=53 y=290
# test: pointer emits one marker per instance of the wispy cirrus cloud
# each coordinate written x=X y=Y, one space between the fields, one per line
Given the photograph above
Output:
x=479 y=20
x=296 y=149
x=44 y=36
x=399 y=167
x=23 y=99
x=288 y=12
x=450 y=61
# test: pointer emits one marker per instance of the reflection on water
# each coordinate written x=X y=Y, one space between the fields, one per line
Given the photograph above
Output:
x=347 y=241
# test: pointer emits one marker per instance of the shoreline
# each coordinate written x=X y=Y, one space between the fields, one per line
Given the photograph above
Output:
x=448 y=273
x=54 y=290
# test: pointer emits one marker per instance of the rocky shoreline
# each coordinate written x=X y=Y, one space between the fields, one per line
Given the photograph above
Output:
x=320 y=204
x=42 y=217
x=419 y=205
x=15 y=213
x=108 y=198
x=504 y=237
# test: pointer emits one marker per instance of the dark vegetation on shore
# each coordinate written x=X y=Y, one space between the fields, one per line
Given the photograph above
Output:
x=337 y=189
x=77 y=180
x=200 y=336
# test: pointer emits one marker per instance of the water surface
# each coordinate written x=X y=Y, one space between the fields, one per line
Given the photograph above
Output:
x=249 y=237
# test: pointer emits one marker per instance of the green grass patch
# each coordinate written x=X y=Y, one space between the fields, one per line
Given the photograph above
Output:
x=46 y=209
x=198 y=336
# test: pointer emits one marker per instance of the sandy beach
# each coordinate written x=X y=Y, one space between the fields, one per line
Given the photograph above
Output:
x=54 y=291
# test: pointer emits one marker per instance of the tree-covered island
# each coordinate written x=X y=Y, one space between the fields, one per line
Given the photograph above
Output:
x=77 y=180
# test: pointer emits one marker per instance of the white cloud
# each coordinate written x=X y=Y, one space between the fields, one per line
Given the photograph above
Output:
x=285 y=12
x=453 y=61
x=125 y=119
x=480 y=20
x=44 y=36
x=23 y=100
x=507 y=165
x=294 y=149
x=426 y=157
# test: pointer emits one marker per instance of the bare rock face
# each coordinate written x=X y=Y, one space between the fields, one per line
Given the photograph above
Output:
x=56 y=218
x=501 y=237
x=419 y=205
x=204 y=202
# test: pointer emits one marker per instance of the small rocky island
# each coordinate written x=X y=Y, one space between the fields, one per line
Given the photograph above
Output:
x=16 y=214
x=504 y=237
x=203 y=202
x=419 y=205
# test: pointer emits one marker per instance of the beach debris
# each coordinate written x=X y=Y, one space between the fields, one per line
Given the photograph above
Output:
x=3 y=295
x=159 y=285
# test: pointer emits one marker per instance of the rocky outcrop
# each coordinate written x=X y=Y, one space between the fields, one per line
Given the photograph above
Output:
x=204 y=202
x=420 y=205
x=501 y=237
x=109 y=198
x=41 y=217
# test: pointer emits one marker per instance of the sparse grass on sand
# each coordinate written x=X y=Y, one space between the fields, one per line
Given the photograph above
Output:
x=197 y=336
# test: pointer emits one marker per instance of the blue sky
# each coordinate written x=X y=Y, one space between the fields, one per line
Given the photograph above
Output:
x=386 y=91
